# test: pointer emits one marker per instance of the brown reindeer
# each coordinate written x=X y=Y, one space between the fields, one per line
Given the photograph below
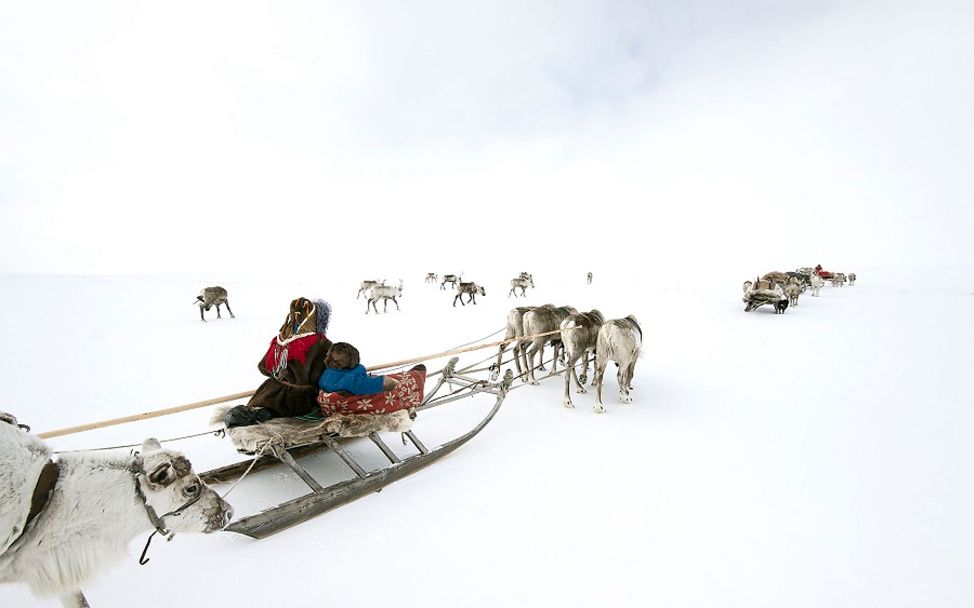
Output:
x=213 y=296
x=471 y=289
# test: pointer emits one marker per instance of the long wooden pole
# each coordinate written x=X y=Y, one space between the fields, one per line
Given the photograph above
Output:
x=198 y=404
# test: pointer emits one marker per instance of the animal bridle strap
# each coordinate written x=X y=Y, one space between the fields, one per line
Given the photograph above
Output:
x=157 y=522
x=42 y=494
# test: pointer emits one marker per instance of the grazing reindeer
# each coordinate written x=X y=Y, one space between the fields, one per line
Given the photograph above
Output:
x=521 y=282
x=816 y=282
x=513 y=333
x=384 y=293
x=452 y=279
x=471 y=289
x=431 y=277
x=793 y=290
x=619 y=340
x=213 y=296
x=579 y=334
x=852 y=279
x=366 y=285
x=541 y=320
x=588 y=278
x=64 y=522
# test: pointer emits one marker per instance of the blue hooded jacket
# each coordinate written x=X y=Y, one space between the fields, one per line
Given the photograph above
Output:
x=356 y=381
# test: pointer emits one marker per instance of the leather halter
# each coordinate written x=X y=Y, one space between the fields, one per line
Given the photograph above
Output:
x=42 y=493
x=158 y=522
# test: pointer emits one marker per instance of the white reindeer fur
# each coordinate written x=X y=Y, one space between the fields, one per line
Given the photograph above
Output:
x=514 y=331
x=538 y=321
x=619 y=340
x=92 y=514
x=579 y=334
x=384 y=293
x=816 y=282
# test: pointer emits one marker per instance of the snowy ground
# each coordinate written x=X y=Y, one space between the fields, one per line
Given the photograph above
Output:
x=820 y=458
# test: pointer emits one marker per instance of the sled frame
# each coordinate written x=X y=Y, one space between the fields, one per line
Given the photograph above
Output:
x=322 y=499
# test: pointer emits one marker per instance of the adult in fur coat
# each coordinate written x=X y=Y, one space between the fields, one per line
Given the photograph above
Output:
x=293 y=363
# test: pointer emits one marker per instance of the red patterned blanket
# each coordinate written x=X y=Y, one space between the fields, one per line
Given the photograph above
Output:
x=408 y=394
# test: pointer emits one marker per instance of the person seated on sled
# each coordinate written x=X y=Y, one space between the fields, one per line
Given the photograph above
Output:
x=292 y=363
x=344 y=374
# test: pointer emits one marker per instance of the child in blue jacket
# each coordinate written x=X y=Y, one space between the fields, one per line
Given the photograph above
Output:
x=344 y=374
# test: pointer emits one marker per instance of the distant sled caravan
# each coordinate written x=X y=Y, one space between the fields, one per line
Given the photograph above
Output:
x=763 y=292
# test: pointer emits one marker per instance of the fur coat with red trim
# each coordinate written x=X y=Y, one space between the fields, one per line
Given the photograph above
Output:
x=293 y=367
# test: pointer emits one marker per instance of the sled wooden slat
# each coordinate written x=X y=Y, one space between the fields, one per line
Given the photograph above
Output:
x=303 y=508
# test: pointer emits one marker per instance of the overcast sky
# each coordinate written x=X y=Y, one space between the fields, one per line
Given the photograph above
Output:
x=249 y=137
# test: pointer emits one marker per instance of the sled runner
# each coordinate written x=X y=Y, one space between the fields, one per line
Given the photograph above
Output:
x=283 y=440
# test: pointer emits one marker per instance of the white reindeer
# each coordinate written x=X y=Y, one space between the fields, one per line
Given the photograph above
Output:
x=522 y=282
x=92 y=505
x=514 y=331
x=852 y=279
x=366 y=285
x=620 y=341
x=384 y=293
x=541 y=320
x=816 y=281
x=579 y=333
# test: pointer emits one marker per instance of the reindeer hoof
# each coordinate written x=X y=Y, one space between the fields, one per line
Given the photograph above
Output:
x=567 y=402
x=598 y=409
x=625 y=398
x=535 y=383
x=581 y=391
x=583 y=378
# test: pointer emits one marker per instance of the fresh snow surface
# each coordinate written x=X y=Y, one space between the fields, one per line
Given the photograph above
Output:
x=819 y=458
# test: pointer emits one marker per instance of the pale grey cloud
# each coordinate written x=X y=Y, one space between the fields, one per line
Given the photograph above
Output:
x=756 y=133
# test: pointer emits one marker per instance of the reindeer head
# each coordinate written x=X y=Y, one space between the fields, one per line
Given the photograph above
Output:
x=175 y=493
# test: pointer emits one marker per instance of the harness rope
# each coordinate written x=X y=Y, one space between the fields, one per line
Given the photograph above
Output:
x=199 y=404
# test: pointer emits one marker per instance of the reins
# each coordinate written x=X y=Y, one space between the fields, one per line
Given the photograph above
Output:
x=243 y=395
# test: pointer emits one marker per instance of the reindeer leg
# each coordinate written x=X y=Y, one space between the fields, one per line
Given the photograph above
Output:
x=227 y=303
x=584 y=377
x=218 y=311
x=396 y=302
x=530 y=363
x=202 y=318
x=74 y=600
x=566 y=398
x=455 y=300
x=598 y=408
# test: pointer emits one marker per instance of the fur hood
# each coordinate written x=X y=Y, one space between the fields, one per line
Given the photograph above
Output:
x=324 y=315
